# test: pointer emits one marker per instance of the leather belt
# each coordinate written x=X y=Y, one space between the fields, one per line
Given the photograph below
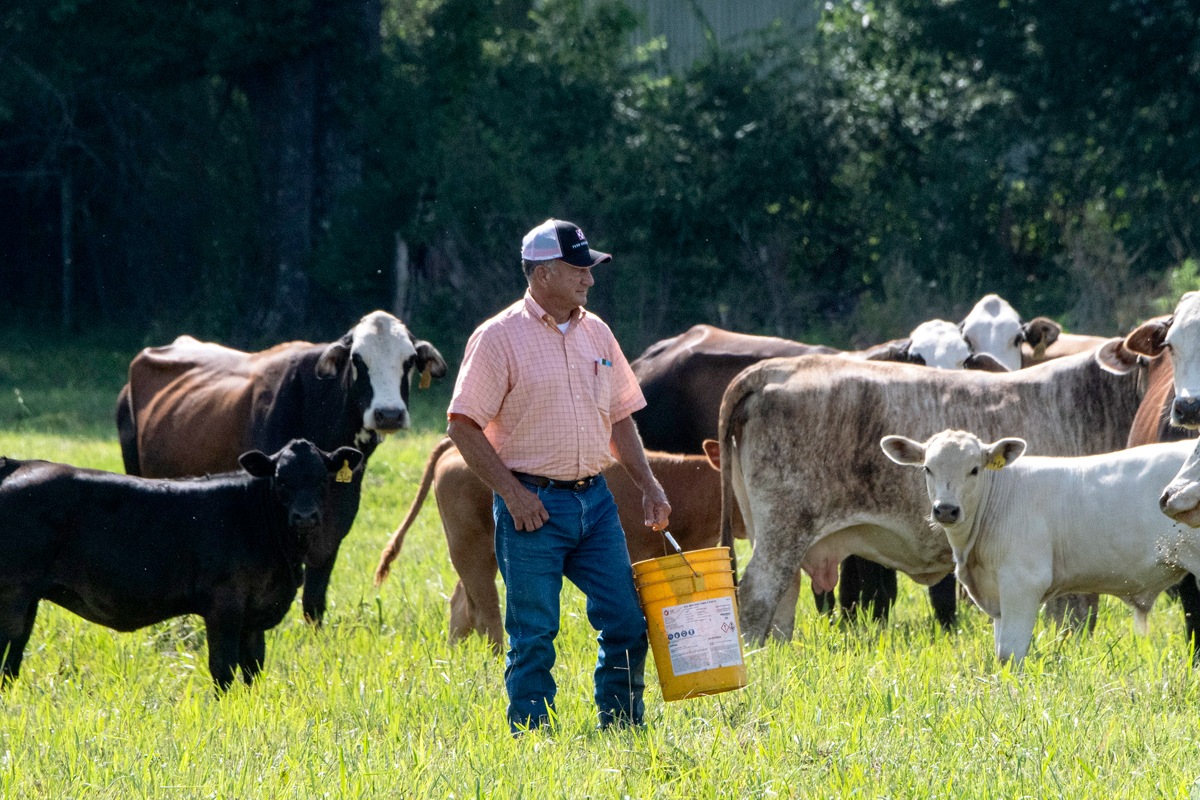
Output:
x=553 y=483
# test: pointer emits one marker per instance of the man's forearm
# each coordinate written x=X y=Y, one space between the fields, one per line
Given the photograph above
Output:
x=628 y=450
x=481 y=457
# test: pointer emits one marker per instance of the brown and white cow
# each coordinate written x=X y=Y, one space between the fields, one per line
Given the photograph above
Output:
x=799 y=451
x=465 y=506
x=684 y=377
x=191 y=408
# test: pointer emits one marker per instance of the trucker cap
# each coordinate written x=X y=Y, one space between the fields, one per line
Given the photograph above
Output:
x=555 y=238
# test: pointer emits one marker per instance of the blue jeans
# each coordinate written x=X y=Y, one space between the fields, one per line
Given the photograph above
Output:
x=582 y=541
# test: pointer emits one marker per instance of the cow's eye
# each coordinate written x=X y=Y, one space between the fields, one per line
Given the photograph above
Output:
x=975 y=471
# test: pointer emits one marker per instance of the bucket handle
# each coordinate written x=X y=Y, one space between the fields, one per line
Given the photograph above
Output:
x=697 y=578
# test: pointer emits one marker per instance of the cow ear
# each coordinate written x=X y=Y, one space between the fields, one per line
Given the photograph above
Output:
x=257 y=463
x=999 y=455
x=984 y=362
x=429 y=359
x=712 y=449
x=343 y=457
x=891 y=351
x=1113 y=356
x=1149 y=338
x=333 y=359
x=1041 y=332
x=903 y=450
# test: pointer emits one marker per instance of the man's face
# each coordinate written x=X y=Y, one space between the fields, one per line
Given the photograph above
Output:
x=569 y=284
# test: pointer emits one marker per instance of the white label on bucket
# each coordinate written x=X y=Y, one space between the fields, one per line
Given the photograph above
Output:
x=702 y=635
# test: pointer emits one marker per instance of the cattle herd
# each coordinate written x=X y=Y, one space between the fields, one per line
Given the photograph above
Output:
x=1043 y=467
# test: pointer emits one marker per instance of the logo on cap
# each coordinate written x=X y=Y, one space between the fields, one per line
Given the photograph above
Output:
x=580 y=235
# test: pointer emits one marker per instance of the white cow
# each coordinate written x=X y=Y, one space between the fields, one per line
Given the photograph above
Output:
x=994 y=327
x=940 y=344
x=1025 y=531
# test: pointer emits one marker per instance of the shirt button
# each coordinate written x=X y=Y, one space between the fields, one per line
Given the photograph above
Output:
x=576 y=397
x=581 y=429
x=572 y=366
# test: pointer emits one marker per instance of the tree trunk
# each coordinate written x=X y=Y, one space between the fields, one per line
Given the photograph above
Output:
x=67 y=207
x=282 y=101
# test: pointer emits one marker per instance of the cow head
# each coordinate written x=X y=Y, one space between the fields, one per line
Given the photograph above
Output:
x=1181 y=499
x=1179 y=335
x=994 y=327
x=299 y=472
x=936 y=343
x=378 y=359
x=953 y=462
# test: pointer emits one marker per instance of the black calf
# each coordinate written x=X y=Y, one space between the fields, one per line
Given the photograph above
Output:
x=128 y=552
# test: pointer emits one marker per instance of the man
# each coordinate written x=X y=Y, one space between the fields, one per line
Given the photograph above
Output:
x=542 y=404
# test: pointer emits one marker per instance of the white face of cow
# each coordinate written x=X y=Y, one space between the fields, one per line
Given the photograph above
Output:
x=1183 y=343
x=940 y=344
x=953 y=462
x=994 y=327
x=382 y=348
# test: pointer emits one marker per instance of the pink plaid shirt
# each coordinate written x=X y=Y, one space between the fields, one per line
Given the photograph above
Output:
x=546 y=400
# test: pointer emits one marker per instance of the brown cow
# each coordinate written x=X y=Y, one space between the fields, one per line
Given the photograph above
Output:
x=1061 y=344
x=684 y=377
x=465 y=506
x=192 y=408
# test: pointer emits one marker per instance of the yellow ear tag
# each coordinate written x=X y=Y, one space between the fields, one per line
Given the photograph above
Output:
x=1039 y=352
x=426 y=377
x=344 y=474
x=997 y=462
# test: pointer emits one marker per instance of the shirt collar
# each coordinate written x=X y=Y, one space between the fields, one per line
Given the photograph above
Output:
x=538 y=312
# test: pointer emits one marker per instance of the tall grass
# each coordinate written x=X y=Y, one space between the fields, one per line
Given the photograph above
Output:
x=377 y=704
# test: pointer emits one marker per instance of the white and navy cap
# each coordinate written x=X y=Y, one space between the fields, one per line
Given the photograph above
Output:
x=555 y=238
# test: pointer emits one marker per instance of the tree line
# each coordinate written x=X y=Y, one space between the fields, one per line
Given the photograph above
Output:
x=254 y=170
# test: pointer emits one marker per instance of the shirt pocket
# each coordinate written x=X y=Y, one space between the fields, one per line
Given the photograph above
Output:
x=603 y=387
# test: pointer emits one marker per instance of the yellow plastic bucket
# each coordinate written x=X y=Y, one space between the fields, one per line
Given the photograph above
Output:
x=691 y=616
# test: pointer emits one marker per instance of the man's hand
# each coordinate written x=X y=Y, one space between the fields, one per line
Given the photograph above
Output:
x=656 y=507
x=527 y=510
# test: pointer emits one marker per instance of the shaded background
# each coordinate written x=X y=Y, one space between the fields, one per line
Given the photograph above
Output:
x=250 y=171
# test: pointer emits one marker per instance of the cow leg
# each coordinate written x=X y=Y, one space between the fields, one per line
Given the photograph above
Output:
x=783 y=621
x=316 y=584
x=473 y=555
x=944 y=601
x=1075 y=611
x=1019 y=603
x=1189 y=598
x=253 y=655
x=466 y=617
x=767 y=585
x=866 y=584
x=15 y=630
x=850 y=587
x=224 y=647
x=824 y=601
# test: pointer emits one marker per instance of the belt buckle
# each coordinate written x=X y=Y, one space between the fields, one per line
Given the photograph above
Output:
x=581 y=484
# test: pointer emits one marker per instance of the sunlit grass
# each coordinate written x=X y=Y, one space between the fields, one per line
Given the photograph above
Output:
x=377 y=704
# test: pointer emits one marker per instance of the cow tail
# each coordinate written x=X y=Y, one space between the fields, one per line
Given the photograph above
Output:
x=392 y=548
x=729 y=427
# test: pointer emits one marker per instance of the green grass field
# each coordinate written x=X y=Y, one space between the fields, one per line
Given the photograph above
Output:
x=376 y=704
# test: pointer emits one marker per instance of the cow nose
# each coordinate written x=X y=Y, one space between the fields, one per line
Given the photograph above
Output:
x=1163 y=499
x=390 y=418
x=305 y=519
x=946 y=514
x=1186 y=411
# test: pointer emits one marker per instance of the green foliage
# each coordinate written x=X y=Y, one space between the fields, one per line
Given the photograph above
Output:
x=1181 y=280
x=901 y=155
